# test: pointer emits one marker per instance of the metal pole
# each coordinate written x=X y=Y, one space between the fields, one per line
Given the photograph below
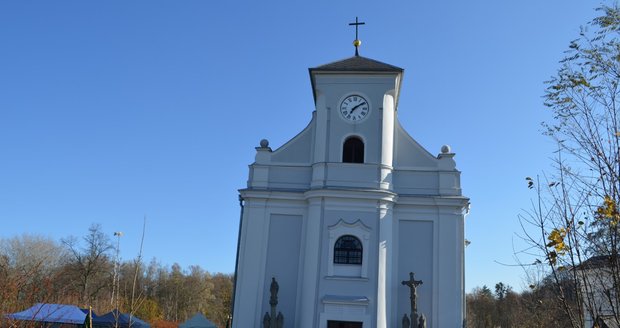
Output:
x=116 y=284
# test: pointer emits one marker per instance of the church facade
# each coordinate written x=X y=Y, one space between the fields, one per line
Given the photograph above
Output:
x=342 y=213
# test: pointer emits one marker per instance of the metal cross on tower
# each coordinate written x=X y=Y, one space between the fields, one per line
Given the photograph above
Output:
x=357 y=41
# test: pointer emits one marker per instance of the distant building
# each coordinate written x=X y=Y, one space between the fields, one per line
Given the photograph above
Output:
x=601 y=303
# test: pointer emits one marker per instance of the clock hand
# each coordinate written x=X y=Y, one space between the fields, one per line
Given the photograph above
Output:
x=354 y=108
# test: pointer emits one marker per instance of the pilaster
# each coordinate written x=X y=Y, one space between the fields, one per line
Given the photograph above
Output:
x=308 y=294
x=387 y=141
x=385 y=293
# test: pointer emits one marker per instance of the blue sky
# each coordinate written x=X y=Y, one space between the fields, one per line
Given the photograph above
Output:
x=110 y=111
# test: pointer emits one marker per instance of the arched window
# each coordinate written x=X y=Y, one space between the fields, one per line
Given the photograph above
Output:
x=348 y=250
x=353 y=150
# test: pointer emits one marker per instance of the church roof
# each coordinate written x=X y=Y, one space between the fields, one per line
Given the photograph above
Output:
x=596 y=262
x=357 y=64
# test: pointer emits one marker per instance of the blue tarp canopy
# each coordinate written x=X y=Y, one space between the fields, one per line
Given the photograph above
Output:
x=109 y=320
x=198 y=321
x=56 y=313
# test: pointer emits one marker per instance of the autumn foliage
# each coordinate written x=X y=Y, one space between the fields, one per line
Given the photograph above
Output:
x=35 y=269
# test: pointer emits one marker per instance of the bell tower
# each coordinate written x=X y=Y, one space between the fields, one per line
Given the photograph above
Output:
x=344 y=211
x=355 y=99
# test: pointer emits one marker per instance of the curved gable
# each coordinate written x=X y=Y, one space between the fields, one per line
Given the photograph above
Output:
x=298 y=149
x=408 y=152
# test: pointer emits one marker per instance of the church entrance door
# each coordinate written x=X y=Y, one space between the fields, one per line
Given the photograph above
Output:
x=343 y=324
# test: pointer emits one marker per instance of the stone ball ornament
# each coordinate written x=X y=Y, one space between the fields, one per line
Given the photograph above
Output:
x=264 y=143
x=445 y=149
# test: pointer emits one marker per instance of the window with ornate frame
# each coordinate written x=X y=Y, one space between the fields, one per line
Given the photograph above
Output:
x=348 y=250
x=337 y=268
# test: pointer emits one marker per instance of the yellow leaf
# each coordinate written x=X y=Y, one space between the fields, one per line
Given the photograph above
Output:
x=608 y=211
x=556 y=240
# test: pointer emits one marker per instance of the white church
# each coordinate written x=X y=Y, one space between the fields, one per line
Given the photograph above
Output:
x=342 y=213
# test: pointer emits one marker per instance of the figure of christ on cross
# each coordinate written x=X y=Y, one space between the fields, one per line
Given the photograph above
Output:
x=413 y=285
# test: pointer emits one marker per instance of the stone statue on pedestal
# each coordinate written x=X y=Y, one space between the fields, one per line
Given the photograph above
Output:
x=271 y=320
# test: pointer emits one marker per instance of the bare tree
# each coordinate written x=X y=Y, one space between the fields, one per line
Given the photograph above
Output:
x=29 y=271
x=575 y=213
x=89 y=263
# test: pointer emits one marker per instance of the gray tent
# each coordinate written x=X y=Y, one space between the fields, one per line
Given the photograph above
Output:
x=198 y=321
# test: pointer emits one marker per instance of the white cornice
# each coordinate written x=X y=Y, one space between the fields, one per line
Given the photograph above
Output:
x=459 y=201
x=373 y=194
x=272 y=194
x=362 y=194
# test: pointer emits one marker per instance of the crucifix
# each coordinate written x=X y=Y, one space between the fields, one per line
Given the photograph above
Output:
x=413 y=285
x=357 y=42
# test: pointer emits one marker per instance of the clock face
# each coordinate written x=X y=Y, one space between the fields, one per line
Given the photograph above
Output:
x=354 y=108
